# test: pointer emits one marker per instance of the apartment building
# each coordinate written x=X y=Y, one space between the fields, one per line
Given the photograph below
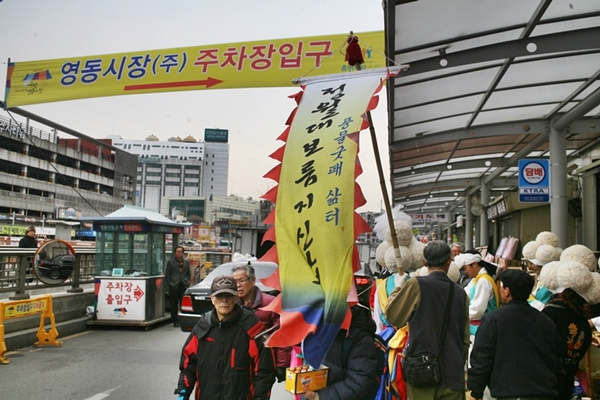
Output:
x=178 y=167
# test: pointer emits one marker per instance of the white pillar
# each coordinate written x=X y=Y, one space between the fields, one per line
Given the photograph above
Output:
x=558 y=186
x=449 y=220
x=483 y=222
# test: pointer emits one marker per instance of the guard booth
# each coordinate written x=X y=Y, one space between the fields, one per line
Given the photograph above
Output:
x=131 y=255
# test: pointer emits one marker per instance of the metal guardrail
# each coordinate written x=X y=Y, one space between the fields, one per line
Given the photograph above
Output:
x=17 y=276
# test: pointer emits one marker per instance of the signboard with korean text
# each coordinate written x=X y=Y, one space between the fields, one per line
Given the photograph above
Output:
x=433 y=217
x=265 y=63
x=121 y=299
x=534 y=181
x=24 y=307
x=216 y=135
x=315 y=222
x=496 y=210
x=67 y=213
x=132 y=227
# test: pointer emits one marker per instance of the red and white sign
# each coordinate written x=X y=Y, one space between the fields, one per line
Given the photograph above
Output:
x=122 y=299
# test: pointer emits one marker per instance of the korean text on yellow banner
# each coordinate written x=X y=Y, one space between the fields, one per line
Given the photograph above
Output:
x=315 y=223
x=266 y=63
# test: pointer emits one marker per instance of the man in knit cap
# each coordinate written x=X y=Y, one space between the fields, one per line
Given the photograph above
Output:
x=29 y=241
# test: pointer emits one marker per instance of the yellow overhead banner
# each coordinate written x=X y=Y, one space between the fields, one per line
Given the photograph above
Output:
x=267 y=63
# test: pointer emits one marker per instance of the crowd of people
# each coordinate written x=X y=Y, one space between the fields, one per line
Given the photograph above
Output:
x=458 y=326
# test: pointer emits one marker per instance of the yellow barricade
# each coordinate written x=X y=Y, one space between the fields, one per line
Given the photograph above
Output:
x=24 y=308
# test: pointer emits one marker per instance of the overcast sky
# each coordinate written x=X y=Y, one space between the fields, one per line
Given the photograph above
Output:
x=38 y=30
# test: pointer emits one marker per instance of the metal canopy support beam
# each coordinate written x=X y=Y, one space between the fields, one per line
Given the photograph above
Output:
x=584 y=106
x=501 y=129
x=468 y=225
x=575 y=40
x=456 y=185
x=483 y=221
x=449 y=228
x=558 y=186
x=456 y=166
x=537 y=142
x=533 y=21
x=390 y=44
x=590 y=81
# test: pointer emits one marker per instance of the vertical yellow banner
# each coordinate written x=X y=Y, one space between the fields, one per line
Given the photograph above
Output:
x=315 y=208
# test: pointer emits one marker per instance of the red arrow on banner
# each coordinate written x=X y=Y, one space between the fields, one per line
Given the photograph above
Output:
x=138 y=293
x=208 y=82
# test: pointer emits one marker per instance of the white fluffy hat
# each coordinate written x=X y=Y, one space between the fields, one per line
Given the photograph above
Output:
x=548 y=275
x=547 y=238
x=453 y=272
x=543 y=249
x=545 y=253
x=380 y=253
x=574 y=275
x=593 y=293
x=404 y=233
x=580 y=254
x=529 y=250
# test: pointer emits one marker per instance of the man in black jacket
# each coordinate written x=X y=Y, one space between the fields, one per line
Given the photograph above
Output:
x=517 y=348
x=421 y=302
x=352 y=371
x=29 y=241
x=177 y=276
x=224 y=357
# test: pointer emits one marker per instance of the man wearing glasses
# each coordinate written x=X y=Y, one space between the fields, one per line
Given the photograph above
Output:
x=251 y=297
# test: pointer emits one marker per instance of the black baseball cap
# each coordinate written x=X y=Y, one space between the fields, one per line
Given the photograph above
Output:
x=518 y=281
x=223 y=284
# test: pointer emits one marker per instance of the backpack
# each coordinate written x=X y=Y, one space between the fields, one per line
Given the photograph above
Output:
x=355 y=335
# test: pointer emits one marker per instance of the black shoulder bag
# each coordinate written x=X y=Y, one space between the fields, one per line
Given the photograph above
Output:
x=424 y=370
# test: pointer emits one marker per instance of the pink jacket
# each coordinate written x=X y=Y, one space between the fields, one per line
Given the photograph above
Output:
x=269 y=319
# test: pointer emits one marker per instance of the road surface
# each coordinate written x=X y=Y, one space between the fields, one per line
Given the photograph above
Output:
x=105 y=363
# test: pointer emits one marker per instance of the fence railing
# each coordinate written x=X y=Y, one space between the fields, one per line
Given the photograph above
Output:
x=18 y=129
x=17 y=276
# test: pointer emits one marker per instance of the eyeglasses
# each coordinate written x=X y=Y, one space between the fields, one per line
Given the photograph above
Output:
x=241 y=281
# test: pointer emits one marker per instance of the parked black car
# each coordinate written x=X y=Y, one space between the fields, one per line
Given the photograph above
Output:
x=196 y=299
x=59 y=267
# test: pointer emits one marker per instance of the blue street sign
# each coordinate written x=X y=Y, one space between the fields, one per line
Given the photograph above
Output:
x=534 y=181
